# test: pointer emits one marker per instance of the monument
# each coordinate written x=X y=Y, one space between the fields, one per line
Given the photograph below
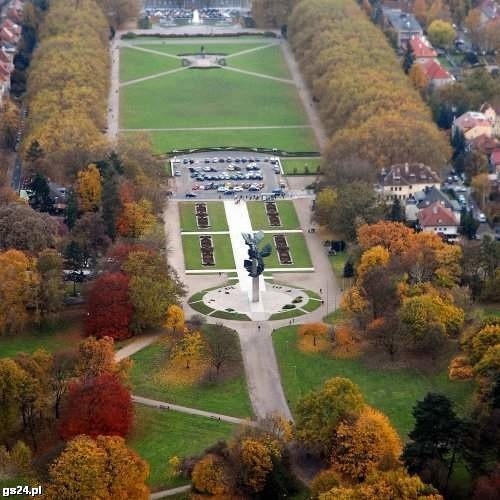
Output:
x=255 y=262
x=196 y=17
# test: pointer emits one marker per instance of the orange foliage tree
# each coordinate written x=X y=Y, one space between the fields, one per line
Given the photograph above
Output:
x=314 y=331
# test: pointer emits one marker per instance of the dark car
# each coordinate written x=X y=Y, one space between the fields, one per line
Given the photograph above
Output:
x=229 y=191
x=191 y=195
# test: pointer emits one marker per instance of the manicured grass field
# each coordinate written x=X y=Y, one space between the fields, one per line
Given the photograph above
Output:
x=136 y=64
x=160 y=434
x=211 y=98
x=298 y=250
x=301 y=166
x=216 y=215
x=268 y=61
x=176 y=49
x=223 y=252
x=60 y=335
x=229 y=397
x=286 y=210
x=291 y=139
x=394 y=392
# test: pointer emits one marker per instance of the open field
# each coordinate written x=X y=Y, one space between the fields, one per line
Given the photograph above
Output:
x=228 y=396
x=301 y=166
x=134 y=65
x=394 y=392
x=286 y=210
x=285 y=139
x=216 y=98
x=298 y=249
x=223 y=252
x=216 y=215
x=160 y=434
x=61 y=334
x=210 y=98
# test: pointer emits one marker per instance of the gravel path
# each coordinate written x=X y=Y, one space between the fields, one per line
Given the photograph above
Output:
x=114 y=95
x=305 y=96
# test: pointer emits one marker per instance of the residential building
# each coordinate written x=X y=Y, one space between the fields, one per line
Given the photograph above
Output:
x=436 y=75
x=439 y=220
x=422 y=49
x=495 y=162
x=473 y=124
x=403 y=180
x=404 y=24
x=493 y=115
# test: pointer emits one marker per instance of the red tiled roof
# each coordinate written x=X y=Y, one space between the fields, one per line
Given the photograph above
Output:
x=484 y=143
x=436 y=215
x=434 y=71
x=421 y=47
x=4 y=57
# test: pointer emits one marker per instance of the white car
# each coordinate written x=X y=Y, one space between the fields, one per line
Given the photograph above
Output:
x=481 y=217
x=461 y=189
x=237 y=188
x=230 y=168
x=222 y=189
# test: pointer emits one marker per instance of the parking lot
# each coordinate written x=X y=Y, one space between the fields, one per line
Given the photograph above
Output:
x=228 y=174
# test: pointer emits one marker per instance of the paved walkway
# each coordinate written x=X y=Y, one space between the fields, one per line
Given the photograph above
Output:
x=162 y=405
x=306 y=98
x=114 y=95
x=151 y=51
x=170 y=493
x=248 y=51
x=137 y=344
x=152 y=77
x=259 y=75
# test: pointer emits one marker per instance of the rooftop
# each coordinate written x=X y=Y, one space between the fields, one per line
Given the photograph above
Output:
x=434 y=71
x=402 y=21
x=436 y=215
x=471 y=119
x=409 y=174
x=421 y=47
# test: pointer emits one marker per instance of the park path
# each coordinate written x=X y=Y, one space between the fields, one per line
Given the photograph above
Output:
x=305 y=96
x=248 y=51
x=259 y=75
x=162 y=405
x=137 y=345
x=151 y=51
x=152 y=77
x=170 y=493
x=114 y=95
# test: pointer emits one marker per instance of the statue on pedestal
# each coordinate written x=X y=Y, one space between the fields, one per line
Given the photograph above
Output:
x=255 y=262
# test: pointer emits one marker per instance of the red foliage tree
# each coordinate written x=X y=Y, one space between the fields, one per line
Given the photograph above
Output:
x=100 y=406
x=109 y=309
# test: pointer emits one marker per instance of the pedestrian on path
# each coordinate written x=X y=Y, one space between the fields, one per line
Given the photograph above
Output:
x=258 y=328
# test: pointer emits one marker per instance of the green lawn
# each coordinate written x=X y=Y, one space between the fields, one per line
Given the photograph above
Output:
x=268 y=61
x=298 y=250
x=291 y=140
x=301 y=166
x=286 y=210
x=338 y=262
x=136 y=64
x=216 y=214
x=223 y=252
x=394 y=392
x=160 y=434
x=229 y=397
x=195 y=98
x=59 y=335
x=176 y=49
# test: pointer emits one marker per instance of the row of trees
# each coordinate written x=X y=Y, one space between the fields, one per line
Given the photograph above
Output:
x=68 y=85
x=367 y=104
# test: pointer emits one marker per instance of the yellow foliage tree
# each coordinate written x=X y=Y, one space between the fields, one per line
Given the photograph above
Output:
x=175 y=318
x=189 y=348
x=89 y=188
x=136 y=219
x=371 y=258
x=314 y=331
x=209 y=476
x=257 y=462
x=394 y=236
x=418 y=77
x=460 y=368
x=370 y=444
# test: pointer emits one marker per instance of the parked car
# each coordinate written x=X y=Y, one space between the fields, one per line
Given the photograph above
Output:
x=229 y=192
x=222 y=189
x=191 y=195
x=238 y=188
x=481 y=217
x=177 y=173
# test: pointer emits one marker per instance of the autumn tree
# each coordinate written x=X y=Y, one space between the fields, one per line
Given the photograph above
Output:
x=319 y=412
x=136 y=219
x=62 y=370
x=392 y=484
x=10 y=122
x=120 y=11
x=96 y=357
x=89 y=188
x=257 y=462
x=19 y=283
x=481 y=188
x=441 y=33
x=175 y=318
x=394 y=236
x=418 y=78
x=209 y=476
x=98 y=406
x=24 y=229
x=314 y=331
x=367 y=445
x=12 y=377
x=190 y=347
x=98 y=468
x=109 y=309
x=89 y=232
x=325 y=203
x=51 y=290
x=153 y=287
x=16 y=462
